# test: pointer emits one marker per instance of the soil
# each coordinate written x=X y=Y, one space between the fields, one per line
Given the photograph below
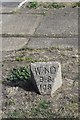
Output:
x=20 y=103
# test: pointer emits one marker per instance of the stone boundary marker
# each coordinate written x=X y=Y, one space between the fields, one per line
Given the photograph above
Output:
x=47 y=76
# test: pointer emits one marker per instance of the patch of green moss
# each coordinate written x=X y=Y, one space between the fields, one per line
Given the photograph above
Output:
x=56 y=5
x=41 y=109
x=19 y=73
x=77 y=4
x=10 y=102
x=32 y=5
x=14 y=114
x=44 y=5
x=72 y=107
x=29 y=59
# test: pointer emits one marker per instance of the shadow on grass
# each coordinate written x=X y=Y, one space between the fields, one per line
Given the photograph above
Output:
x=28 y=85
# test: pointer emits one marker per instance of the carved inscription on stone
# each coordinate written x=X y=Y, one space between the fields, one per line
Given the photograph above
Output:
x=45 y=74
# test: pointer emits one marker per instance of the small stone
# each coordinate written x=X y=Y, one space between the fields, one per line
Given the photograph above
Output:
x=75 y=56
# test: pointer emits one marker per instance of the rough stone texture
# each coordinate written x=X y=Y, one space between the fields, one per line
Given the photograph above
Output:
x=13 y=43
x=63 y=21
x=20 y=23
x=52 y=42
x=47 y=76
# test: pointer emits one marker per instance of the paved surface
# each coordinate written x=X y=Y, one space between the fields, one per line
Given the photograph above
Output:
x=40 y=29
x=13 y=43
x=64 y=21
x=52 y=42
x=20 y=23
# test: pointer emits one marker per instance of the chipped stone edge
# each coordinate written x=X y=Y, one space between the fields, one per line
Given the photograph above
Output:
x=58 y=80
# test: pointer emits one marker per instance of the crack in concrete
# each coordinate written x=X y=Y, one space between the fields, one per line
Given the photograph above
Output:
x=38 y=25
x=12 y=12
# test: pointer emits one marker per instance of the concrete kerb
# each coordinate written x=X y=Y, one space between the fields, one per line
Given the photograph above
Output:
x=14 y=43
x=40 y=43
